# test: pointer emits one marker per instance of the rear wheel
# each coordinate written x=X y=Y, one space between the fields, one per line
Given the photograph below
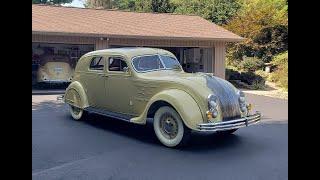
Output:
x=77 y=113
x=169 y=127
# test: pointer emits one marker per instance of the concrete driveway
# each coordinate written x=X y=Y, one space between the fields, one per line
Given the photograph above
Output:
x=104 y=148
x=272 y=109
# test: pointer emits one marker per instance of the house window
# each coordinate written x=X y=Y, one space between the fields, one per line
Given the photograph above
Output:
x=97 y=63
x=116 y=64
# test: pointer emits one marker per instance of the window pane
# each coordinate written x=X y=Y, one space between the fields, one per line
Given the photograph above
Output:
x=116 y=64
x=97 y=63
x=170 y=62
x=147 y=63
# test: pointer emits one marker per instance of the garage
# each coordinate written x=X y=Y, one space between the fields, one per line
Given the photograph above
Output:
x=200 y=46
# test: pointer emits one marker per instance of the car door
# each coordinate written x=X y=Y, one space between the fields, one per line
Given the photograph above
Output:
x=95 y=82
x=119 y=83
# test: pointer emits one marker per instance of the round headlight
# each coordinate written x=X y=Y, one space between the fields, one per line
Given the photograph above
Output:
x=243 y=108
x=241 y=94
x=212 y=99
x=212 y=105
x=242 y=101
x=214 y=113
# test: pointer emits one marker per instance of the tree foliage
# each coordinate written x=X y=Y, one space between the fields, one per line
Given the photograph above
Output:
x=217 y=11
x=280 y=76
x=265 y=25
x=105 y=4
x=162 y=6
x=51 y=1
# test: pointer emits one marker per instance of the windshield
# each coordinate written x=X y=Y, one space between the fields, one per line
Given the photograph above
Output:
x=155 y=62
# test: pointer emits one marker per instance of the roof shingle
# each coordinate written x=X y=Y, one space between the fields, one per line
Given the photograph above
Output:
x=111 y=23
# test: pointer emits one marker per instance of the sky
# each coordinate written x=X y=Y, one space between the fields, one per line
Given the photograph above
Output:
x=75 y=3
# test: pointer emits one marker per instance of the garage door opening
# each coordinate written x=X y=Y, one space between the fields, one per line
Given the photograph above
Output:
x=53 y=63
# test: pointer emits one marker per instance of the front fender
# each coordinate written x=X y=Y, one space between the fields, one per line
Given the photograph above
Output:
x=183 y=103
x=76 y=96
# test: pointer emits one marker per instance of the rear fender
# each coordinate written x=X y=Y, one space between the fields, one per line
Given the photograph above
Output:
x=75 y=95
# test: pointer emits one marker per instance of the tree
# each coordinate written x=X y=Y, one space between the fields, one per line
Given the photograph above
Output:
x=224 y=10
x=105 y=4
x=264 y=24
x=217 y=11
x=162 y=6
x=51 y=1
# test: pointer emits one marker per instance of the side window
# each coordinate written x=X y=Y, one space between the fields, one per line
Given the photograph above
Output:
x=116 y=64
x=97 y=63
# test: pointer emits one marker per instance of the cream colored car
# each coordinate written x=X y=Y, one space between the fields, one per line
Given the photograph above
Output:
x=136 y=84
x=55 y=69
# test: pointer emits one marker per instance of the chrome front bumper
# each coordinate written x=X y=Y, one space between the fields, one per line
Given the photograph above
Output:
x=232 y=124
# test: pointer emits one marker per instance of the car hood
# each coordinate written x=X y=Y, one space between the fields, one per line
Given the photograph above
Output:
x=175 y=76
x=204 y=84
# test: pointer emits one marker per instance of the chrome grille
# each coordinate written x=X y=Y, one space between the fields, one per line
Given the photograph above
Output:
x=228 y=98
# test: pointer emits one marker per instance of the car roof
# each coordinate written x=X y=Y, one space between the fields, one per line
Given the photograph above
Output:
x=130 y=51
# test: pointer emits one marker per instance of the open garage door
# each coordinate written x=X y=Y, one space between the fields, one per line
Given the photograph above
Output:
x=54 y=63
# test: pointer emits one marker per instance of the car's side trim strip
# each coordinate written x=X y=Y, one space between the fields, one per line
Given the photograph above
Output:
x=102 y=112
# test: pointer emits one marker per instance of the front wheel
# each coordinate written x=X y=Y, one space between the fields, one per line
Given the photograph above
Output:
x=77 y=113
x=169 y=128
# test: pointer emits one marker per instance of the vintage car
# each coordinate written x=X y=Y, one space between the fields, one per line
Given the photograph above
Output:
x=140 y=84
x=54 y=69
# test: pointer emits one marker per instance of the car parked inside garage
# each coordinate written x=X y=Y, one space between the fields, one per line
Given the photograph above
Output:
x=136 y=84
x=55 y=69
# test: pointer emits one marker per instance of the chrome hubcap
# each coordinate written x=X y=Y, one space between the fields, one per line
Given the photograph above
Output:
x=168 y=126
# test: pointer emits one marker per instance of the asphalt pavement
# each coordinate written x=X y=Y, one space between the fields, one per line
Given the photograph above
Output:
x=105 y=148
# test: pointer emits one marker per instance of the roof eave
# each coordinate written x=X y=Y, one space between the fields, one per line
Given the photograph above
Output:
x=94 y=35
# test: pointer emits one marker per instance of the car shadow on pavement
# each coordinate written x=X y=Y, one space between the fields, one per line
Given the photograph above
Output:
x=145 y=133
x=142 y=133
x=53 y=105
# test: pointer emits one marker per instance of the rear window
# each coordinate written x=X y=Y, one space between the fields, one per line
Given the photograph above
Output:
x=97 y=63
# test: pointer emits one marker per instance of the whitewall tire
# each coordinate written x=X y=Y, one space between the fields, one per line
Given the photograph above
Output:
x=169 y=127
x=76 y=113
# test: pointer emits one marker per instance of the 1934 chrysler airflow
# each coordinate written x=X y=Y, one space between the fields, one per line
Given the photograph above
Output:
x=134 y=84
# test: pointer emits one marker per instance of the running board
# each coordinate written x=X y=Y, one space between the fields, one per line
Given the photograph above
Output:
x=102 y=112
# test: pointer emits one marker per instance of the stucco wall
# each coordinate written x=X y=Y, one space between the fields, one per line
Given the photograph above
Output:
x=220 y=58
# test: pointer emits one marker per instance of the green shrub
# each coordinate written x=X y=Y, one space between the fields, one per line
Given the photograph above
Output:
x=247 y=80
x=258 y=85
x=232 y=74
x=251 y=78
x=280 y=59
x=280 y=75
x=251 y=64
x=262 y=73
